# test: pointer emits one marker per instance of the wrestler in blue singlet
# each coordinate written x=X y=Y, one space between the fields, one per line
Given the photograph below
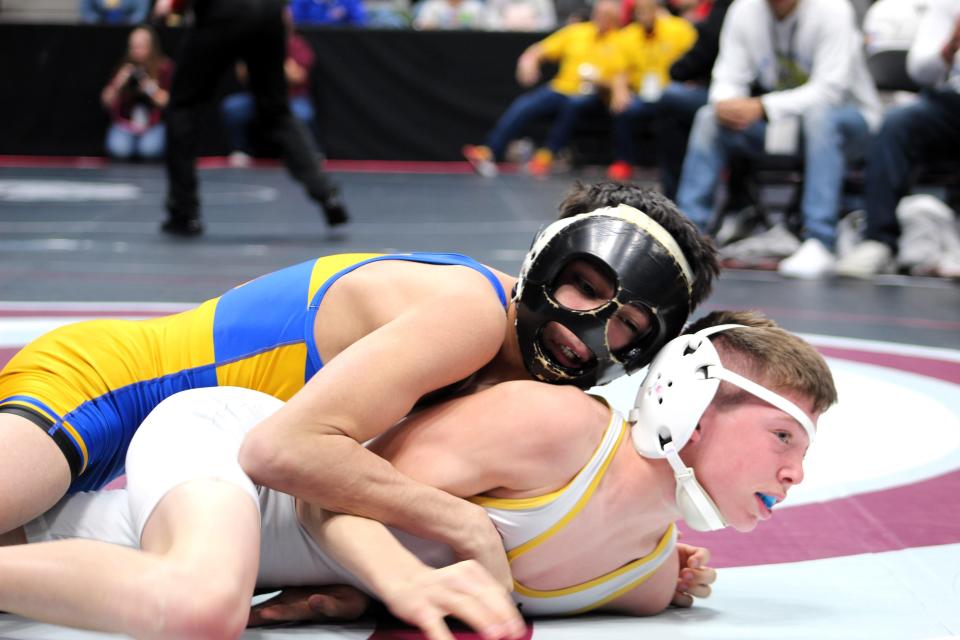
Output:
x=91 y=384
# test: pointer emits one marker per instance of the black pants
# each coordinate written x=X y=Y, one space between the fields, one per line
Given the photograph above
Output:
x=926 y=129
x=209 y=50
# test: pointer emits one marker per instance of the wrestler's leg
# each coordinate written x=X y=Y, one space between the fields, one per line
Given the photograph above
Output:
x=208 y=532
x=34 y=473
x=193 y=579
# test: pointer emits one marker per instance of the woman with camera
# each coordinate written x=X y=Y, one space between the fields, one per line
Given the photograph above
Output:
x=135 y=98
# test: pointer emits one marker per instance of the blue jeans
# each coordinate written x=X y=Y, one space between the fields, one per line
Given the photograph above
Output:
x=909 y=134
x=541 y=102
x=238 y=111
x=624 y=125
x=678 y=106
x=124 y=144
x=830 y=137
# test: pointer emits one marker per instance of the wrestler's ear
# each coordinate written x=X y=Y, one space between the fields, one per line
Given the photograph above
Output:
x=696 y=435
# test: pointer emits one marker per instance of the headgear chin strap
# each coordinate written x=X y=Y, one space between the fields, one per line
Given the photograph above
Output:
x=681 y=383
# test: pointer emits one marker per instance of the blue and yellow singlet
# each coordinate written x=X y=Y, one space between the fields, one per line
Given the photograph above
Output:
x=94 y=382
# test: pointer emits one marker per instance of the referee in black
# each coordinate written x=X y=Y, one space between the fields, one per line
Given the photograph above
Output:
x=225 y=31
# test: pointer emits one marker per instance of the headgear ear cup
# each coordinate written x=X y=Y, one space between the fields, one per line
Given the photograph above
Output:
x=680 y=384
x=674 y=394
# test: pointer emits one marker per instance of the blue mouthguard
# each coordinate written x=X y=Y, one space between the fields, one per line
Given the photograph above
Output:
x=769 y=501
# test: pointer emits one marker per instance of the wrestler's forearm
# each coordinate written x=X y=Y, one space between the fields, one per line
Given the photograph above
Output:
x=413 y=591
x=363 y=547
x=80 y=583
x=338 y=474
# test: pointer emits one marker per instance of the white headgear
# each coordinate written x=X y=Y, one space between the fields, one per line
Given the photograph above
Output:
x=679 y=386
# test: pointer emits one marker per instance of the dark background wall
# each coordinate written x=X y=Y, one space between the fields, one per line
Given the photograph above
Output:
x=392 y=95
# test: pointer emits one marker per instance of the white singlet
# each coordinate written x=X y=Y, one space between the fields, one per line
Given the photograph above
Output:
x=196 y=434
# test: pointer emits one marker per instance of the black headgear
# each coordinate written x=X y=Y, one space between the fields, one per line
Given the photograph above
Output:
x=647 y=268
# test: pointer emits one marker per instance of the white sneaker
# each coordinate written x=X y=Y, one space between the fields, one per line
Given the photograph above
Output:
x=811 y=260
x=866 y=260
x=239 y=160
x=927 y=226
x=737 y=225
x=775 y=242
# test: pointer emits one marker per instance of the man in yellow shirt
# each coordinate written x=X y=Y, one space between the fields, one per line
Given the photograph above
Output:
x=653 y=42
x=589 y=57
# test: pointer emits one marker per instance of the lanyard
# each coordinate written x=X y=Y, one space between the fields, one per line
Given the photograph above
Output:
x=785 y=59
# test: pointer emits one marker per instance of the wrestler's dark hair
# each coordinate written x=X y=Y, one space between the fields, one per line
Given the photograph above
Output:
x=699 y=250
x=769 y=355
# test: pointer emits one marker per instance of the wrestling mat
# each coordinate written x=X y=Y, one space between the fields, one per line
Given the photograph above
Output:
x=867 y=547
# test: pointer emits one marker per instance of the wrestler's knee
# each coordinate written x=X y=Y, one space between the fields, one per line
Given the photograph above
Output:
x=194 y=605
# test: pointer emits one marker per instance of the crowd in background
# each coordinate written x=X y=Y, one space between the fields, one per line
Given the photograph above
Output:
x=493 y=15
x=711 y=84
x=764 y=79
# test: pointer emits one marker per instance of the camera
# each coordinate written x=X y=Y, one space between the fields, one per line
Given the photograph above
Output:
x=137 y=76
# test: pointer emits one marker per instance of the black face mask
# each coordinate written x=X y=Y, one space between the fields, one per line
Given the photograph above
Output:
x=647 y=269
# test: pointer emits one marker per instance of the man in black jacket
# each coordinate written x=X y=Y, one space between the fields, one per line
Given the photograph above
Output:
x=225 y=31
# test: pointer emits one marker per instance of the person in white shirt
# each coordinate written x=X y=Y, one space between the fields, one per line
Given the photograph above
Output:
x=928 y=127
x=521 y=15
x=892 y=24
x=805 y=60
x=450 y=14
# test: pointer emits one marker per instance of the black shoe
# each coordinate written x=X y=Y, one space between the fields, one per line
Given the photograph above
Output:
x=334 y=209
x=183 y=227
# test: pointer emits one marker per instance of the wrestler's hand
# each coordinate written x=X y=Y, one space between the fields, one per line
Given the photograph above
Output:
x=479 y=540
x=695 y=576
x=311 y=604
x=463 y=590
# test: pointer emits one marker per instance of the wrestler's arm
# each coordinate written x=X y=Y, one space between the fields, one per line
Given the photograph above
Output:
x=528 y=436
x=664 y=588
x=651 y=596
x=310 y=448
x=525 y=436
x=413 y=591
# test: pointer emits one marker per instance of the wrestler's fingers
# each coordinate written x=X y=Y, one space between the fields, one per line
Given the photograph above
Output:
x=274 y=613
x=699 y=557
x=325 y=607
x=706 y=575
x=693 y=577
x=468 y=591
x=340 y=602
x=470 y=611
x=433 y=626
x=690 y=578
x=699 y=591
x=510 y=624
x=682 y=600
x=493 y=602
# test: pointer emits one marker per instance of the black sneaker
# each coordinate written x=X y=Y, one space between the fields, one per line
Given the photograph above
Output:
x=335 y=210
x=183 y=227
